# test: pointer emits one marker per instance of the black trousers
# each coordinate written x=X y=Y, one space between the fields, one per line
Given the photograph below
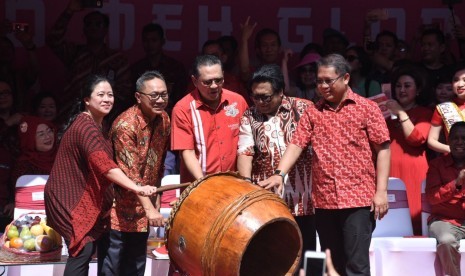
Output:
x=126 y=254
x=307 y=228
x=347 y=233
x=79 y=265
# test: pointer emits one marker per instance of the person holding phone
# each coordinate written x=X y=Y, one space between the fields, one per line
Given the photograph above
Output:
x=327 y=269
x=409 y=135
x=350 y=166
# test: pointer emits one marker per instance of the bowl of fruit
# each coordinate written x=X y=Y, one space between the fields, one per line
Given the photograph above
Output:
x=30 y=239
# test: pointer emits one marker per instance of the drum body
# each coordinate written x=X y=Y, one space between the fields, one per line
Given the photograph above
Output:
x=224 y=225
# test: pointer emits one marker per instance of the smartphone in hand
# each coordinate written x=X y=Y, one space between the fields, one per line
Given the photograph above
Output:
x=314 y=263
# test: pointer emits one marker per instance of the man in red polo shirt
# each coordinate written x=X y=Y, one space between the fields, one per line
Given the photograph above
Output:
x=205 y=123
x=350 y=166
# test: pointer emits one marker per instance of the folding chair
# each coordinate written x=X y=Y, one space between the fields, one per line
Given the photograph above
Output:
x=29 y=196
x=397 y=222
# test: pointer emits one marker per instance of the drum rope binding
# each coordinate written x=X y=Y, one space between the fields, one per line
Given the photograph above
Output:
x=224 y=220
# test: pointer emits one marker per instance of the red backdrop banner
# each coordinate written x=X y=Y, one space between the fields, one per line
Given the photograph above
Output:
x=189 y=23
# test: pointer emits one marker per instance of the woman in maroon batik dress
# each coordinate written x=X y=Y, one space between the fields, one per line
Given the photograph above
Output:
x=78 y=193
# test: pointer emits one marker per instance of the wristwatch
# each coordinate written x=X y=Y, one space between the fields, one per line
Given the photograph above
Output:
x=281 y=173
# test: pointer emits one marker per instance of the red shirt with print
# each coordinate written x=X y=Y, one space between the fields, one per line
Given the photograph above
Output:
x=213 y=134
x=343 y=167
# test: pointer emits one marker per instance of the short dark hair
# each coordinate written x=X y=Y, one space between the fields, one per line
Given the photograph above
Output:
x=155 y=28
x=148 y=75
x=228 y=39
x=436 y=32
x=88 y=86
x=205 y=60
x=269 y=73
x=37 y=100
x=337 y=61
x=363 y=58
x=212 y=42
x=262 y=33
x=105 y=18
x=456 y=126
x=419 y=76
x=388 y=34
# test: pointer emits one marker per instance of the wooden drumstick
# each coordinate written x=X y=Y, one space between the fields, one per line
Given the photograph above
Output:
x=172 y=187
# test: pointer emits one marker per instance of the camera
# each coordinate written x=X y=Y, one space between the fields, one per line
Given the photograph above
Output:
x=314 y=263
x=91 y=3
x=17 y=27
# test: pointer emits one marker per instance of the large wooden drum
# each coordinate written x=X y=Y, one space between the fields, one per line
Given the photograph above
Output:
x=224 y=225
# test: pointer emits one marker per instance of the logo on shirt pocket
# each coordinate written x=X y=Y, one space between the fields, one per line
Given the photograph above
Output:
x=231 y=110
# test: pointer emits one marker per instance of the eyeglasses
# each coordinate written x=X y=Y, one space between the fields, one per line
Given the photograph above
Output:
x=351 y=58
x=217 y=81
x=263 y=98
x=155 y=96
x=329 y=82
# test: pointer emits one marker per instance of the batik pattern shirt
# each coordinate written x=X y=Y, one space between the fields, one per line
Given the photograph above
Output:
x=343 y=163
x=140 y=146
x=266 y=137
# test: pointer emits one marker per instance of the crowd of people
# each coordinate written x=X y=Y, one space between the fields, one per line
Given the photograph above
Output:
x=309 y=133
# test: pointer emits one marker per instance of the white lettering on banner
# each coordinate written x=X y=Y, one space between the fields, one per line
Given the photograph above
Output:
x=117 y=11
x=38 y=27
x=399 y=16
x=335 y=18
x=224 y=25
x=305 y=31
x=161 y=13
x=428 y=15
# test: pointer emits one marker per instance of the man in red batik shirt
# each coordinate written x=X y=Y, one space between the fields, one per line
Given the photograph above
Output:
x=350 y=166
x=140 y=137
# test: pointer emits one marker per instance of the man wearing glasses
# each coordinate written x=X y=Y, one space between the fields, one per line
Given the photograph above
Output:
x=266 y=130
x=350 y=166
x=206 y=123
x=140 y=137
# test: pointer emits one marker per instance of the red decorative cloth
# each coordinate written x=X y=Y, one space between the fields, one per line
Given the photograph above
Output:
x=31 y=197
